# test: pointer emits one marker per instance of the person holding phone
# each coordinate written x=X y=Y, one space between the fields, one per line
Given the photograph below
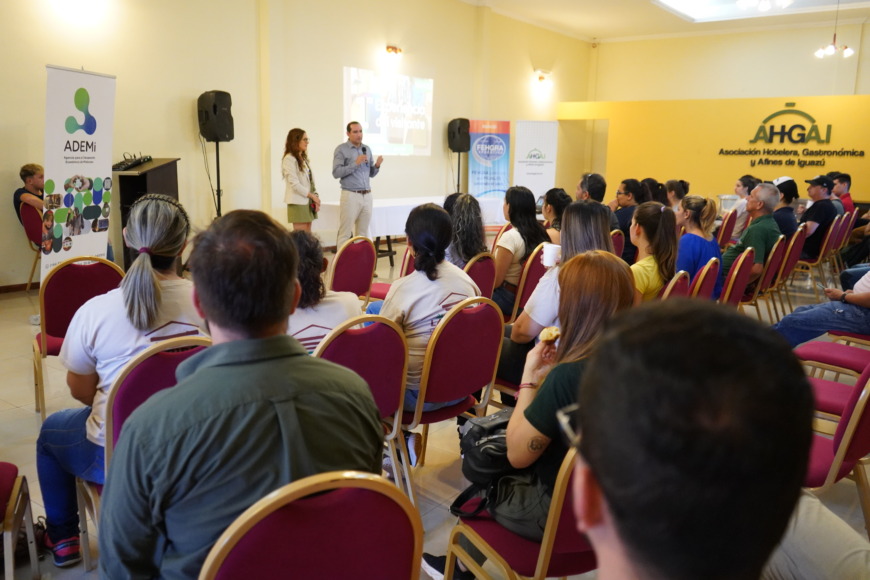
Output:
x=353 y=165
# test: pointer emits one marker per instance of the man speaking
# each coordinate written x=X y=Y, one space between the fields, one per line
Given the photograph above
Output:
x=352 y=166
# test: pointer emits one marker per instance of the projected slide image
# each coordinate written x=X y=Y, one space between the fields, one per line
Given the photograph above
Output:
x=394 y=110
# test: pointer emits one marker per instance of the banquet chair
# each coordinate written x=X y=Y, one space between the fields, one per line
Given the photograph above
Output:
x=533 y=270
x=503 y=229
x=762 y=288
x=705 y=280
x=618 y=239
x=789 y=261
x=461 y=358
x=562 y=551
x=738 y=278
x=149 y=372
x=481 y=269
x=818 y=264
x=729 y=220
x=15 y=504
x=832 y=459
x=339 y=524
x=353 y=268
x=65 y=288
x=380 y=289
x=375 y=348
x=32 y=222
x=678 y=287
x=836 y=357
x=835 y=261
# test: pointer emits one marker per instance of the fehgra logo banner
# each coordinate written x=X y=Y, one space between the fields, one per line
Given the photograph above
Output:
x=79 y=119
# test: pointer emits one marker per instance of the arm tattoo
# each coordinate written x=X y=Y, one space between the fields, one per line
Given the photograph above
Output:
x=537 y=444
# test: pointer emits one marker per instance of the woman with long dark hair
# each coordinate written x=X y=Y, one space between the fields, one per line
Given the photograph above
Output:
x=468 y=239
x=654 y=232
x=555 y=202
x=300 y=193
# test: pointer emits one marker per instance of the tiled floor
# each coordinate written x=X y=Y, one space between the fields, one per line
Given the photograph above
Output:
x=438 y=482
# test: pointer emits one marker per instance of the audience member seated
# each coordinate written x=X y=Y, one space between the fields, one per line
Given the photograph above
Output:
x=152 y=304
x=33 y=176
x=469 y=238
x=595 y=285
x=742 y=189
x=657 y=191
x=842 y=185
x=251 y=413
x=783 y=214
x=676 y=189
x=819 y=215
x=515 y=245
x=654 y=233
x=761 y=234
x=555 y=202
x=630 y=194
x=319 y=310
x=694 y=430
x=698 y=215
x=592 y=186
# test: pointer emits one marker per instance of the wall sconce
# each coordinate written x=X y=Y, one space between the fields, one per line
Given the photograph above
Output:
x=543 y=76
x=394 y=51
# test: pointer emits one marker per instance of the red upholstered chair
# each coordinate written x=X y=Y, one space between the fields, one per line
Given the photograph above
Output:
x=833 y=356
x=837 y=240
x=832 y=459
x=340 y=524
x=562 y=552
x=532 y=271
x=481 y=269
x=15 y=504
x=792 y=255
x=461 y=359
x=768 y=276
x=618 y=239
x=32 y=222
x=353 y=267
x=705 y=280
x=817 y=264
x=379 y=354
x=380 y=289
x=149 y=372
x=503 y=229
x=726 y=229
x=738 y=278
x=678 y=287
x=65 y=288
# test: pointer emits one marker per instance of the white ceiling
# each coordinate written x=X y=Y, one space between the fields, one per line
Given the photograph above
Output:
x=611 y=20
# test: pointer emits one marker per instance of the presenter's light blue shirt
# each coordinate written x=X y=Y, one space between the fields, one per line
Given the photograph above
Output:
x=351 y=176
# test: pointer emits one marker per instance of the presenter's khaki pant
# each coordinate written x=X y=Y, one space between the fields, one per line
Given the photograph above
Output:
x=354 y=216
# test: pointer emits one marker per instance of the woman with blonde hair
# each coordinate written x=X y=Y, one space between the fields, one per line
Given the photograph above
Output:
x=698 y=215
x=654 y=232
x=300 y=193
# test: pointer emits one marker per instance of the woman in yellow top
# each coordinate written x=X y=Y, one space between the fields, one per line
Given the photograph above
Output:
x=300 y=193
x=654 y=232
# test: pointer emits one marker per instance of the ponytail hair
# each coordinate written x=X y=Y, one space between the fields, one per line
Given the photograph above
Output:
x=659 y=224
x=558 y=200
x=158 y=228
x=429 y=232
x=679 y=187
x=657 y=191
x=639 y=191
x=310 y=268
x=702 y=212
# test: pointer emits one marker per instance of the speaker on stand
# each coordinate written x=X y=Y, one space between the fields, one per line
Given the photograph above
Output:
x=459 y=141
x=216 y=125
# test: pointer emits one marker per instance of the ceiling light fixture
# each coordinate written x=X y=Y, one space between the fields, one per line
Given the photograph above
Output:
x=393 y=50
x=832 y=48
x=763 y=5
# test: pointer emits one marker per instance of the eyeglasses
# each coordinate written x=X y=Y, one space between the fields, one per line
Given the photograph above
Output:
x=565 y=417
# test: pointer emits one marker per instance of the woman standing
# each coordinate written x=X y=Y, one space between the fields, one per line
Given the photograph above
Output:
x=300 y=193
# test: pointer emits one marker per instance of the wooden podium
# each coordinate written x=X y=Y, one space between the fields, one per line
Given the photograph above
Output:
x=155 y=176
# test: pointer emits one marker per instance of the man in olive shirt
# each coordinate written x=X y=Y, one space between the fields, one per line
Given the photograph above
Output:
x=248 y=415
x=761 y=234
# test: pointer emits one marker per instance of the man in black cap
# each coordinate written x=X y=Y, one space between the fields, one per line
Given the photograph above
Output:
x=819 y=216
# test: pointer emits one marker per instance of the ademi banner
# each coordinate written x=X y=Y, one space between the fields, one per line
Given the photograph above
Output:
x=488 y=169
x=535 y=155
x=79 y=119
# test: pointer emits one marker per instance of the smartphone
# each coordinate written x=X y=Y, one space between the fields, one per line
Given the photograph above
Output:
x=821 y=286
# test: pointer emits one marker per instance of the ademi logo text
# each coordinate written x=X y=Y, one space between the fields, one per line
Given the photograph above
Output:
x=792 y=126
x=81 y=100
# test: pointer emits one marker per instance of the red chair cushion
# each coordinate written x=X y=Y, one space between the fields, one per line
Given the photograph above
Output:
x=839 y=355
x=831 y=396
x=821 y=458
x=52 y=344
x=379 y=290
x=441 y=414
x=8 y=473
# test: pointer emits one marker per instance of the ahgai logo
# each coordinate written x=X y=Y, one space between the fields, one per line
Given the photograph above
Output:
x=82 y=100
x=796 y=133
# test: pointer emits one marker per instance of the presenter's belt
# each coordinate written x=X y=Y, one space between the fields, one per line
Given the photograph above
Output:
x=362 y=191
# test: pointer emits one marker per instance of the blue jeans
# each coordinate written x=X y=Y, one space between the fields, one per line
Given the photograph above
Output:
x=411 y=402
x=63 y=452
x=505 y=299
x=375 y=307
x=850 y=277
x=809 y=322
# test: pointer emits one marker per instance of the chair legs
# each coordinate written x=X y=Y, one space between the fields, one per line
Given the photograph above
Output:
x=456 y=551
x=863 y=483
x=38 y=380
x=422 y=458
x=20 y=511
x=89 y=504
x=32 y=270
x=403 y=468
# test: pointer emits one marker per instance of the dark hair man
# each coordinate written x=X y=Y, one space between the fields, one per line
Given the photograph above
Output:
x=819 y=216
x=695 y=427
x=354 y=165
x=251 y=413
x=592 y=186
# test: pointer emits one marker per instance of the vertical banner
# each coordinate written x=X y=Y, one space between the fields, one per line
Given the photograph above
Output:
x=535 y=156
x=488 y=169
x=79 y=119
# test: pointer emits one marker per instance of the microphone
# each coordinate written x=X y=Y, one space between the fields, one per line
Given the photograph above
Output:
x=364 y=150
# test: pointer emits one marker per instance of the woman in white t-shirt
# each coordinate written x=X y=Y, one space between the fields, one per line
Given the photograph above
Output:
x=152 y=304
x=319 y=310
x=515 y=245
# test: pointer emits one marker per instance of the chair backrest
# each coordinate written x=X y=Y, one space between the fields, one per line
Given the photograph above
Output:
x=462 y=354
x=481 y=269
x=678 y=287
x=533 y=270
x=503 y=229
x=827 y=242
x=738 y=278
x=727 y=228
x=32 y=222
x=618 y=242
x=377 y=352
x=69 y=285
x=331 y=525
x=852 y=437
x=850 y=225
x=354 y=266
x=149 y=372
x=771 y=268
x=705 y=280
x=792 y=253
x=407 y=262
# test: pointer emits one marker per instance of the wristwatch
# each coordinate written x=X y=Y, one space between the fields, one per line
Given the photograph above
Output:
x=843 y=297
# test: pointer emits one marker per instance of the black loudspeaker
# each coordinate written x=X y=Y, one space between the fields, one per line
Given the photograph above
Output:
x=458 y=138
x=215 y=118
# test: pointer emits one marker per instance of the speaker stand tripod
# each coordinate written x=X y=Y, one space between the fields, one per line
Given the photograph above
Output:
x=217 y=162
x=458 y=170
